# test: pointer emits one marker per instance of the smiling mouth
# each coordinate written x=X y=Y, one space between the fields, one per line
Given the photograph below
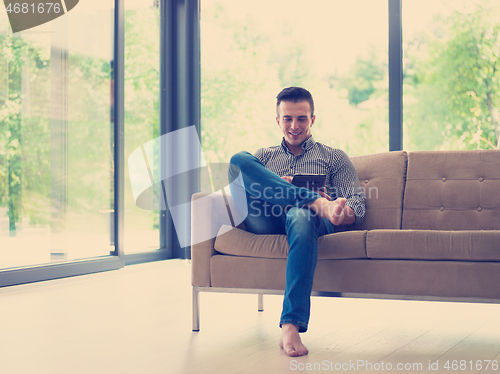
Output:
x=295 y=133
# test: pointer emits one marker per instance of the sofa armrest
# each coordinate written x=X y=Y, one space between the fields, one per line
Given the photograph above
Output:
x=209 y=212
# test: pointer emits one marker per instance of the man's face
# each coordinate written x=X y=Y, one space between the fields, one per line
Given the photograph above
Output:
x=295 y=121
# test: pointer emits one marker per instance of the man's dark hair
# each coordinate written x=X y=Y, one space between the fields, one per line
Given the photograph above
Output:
x=294 y=95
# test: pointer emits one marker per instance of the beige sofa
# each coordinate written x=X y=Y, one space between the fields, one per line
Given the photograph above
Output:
x=431 y=232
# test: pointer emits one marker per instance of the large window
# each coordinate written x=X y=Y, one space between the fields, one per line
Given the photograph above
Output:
x=71 y=91
x=253 y=49
x=451 y=74
x=56 y=138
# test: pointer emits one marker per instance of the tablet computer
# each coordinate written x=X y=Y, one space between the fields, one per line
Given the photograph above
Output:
x=311 y=181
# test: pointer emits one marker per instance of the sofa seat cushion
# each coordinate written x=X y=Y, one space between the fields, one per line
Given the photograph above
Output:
x=236 y=242
x=434 y=245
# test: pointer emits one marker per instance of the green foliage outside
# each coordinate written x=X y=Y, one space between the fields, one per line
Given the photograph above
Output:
x=142 y=100
x=244 y=68
x=21 y=165
x=26 y=141
x=452 y=83
x=365 y=78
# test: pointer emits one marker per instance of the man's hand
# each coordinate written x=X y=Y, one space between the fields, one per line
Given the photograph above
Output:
x=323 y=193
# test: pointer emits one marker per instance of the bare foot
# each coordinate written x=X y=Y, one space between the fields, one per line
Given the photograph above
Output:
x=332 y=210
x=290 y=341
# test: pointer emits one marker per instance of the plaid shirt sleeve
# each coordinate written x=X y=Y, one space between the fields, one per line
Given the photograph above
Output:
x=345 y=183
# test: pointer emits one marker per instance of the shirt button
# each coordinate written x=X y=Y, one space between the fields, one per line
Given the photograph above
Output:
x=441 y=209
x=479 y=208
x=481 y=179
x=444 y=179
x=366 y=181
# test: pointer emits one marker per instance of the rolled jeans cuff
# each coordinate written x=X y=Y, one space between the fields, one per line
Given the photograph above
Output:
x=301 y=325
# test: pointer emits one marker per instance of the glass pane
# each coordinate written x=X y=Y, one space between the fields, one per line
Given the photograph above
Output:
x=56 y=138
x=142 y=94
x=336 y=49
x=451 y=74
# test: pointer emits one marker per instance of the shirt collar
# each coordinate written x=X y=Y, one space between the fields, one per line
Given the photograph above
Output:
x=306 y=144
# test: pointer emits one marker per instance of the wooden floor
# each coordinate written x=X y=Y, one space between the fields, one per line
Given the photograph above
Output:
x=138 y=320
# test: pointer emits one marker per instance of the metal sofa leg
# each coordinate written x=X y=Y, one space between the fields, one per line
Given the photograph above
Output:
x=196 y=310
x=261 y=302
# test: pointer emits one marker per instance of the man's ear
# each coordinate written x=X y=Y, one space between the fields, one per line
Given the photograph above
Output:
x=278 y=120
x=313 y=118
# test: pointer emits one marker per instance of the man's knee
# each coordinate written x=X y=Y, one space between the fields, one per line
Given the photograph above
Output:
x=302 y=217
x=240 y=158
x=239 y=162
x=234 y=165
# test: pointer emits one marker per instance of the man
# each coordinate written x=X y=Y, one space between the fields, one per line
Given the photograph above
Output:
x=275 y=206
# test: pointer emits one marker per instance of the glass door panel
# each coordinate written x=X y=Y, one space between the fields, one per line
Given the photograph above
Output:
x=142 y=95
x=56 y=138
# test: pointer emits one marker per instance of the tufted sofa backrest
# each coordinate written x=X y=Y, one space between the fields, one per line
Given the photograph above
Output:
x=382 y=178
x=452 y=190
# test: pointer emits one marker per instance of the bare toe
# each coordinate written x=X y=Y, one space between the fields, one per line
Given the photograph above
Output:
x=290 y=341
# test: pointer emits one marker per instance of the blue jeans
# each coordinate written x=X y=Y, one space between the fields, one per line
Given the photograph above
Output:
x=274 y=206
